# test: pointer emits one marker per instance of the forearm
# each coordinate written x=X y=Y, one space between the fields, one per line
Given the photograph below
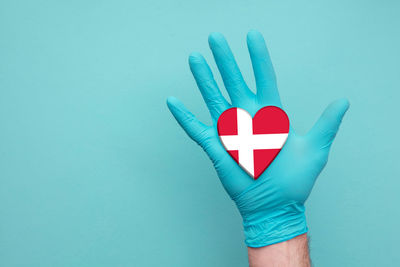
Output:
x=291 y=253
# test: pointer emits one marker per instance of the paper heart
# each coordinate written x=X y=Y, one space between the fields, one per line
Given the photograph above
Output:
x=253 y=142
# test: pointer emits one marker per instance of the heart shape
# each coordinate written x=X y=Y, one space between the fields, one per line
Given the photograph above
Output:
x=253 y=142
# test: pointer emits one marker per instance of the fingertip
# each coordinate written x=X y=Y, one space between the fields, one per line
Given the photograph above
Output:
x=195 y=58
x=335 y=112
x=176 y=107
x=342 y=104
x=256 y=44
x=172 y=101
x=254 y=35
x=346 y=103
x=215 y=38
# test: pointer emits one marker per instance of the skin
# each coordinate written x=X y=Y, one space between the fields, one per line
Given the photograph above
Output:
x=291 y=253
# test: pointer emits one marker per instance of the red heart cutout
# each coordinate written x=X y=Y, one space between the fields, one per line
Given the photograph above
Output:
x=253 y=142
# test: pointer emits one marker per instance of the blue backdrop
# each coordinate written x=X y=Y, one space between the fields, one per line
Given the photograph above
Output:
x=94 y=171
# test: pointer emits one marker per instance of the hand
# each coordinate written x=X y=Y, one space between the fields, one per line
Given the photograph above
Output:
x=272 y=206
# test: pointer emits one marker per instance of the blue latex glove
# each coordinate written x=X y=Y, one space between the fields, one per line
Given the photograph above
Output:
x=272 y=206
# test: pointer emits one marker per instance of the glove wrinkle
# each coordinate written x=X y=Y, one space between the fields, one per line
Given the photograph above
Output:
x=268 y=217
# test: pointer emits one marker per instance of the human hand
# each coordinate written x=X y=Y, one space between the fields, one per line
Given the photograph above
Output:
x=272 y=206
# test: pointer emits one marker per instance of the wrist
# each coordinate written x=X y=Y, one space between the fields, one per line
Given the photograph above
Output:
x=293 y=252
x=279 y=226
x=269 y=217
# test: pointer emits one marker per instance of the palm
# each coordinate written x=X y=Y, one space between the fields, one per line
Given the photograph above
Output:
x=294 y=170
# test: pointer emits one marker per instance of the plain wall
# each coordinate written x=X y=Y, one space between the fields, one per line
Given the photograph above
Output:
x=94 y=171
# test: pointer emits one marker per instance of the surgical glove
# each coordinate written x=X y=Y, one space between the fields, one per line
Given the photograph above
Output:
x=272 y=206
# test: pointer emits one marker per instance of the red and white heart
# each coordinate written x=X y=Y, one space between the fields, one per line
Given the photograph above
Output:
x=253 y=142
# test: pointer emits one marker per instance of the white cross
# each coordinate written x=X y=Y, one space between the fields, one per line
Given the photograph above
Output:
x=246 y=142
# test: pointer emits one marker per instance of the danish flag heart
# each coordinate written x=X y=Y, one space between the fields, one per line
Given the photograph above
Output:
x=253 y=142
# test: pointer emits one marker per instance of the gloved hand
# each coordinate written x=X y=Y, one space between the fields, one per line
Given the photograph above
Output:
x=272 y=206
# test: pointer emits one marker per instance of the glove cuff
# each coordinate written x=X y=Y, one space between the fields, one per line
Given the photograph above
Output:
x=286 y=224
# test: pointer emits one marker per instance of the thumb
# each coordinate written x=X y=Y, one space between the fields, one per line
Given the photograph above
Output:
x=324 y=130
x=192 y=126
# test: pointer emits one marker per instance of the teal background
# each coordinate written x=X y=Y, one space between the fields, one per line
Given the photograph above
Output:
x=94 y=171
